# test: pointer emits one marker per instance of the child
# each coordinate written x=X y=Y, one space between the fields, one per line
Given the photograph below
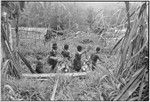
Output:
x=39 y=66
x=77 y=60
x=52 y=60
x=66 y=55
x=65 y=52
x=95 y=58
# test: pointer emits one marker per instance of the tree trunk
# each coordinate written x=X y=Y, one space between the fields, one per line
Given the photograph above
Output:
x=17 y=34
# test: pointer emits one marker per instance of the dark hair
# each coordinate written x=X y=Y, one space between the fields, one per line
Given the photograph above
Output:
x=97 y=49
x=66 y=47
x=79 y=48
x=38 y=57
x=54 y=46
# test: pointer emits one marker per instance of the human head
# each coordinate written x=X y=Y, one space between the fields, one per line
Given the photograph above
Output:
x=66 y=47
x=38 y=57
x=97 y=49
x=79 y=48
x=54 y=46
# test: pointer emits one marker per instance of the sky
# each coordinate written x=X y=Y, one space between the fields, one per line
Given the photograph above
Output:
x=109 y=5
x=101 y=5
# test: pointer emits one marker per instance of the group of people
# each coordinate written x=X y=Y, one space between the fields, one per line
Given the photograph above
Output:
x=77 y=62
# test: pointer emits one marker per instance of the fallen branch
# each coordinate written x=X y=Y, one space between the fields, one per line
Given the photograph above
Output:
x=54 y=74
x=54 y=90
x=28 y=30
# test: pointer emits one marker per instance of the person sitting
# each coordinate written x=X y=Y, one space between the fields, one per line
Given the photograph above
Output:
x=39 y=65
x=95 y=58
x=52 y=60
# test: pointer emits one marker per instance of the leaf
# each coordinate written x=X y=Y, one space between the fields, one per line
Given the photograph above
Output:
x=145 y=44
x=134 y=12
x=134 y=99
x=132 y=89
x=131 y=86
x=137 y=72
x=26 y=63
x=142 y=9
x=126 y=40
x=127 y=43
x=106 y=72
x=106 y=85
x=142 y=86
x=4 y=68
x=12 y=57
x=10 y=89
x=117 y=44
x=105 y=97
x=112 y=93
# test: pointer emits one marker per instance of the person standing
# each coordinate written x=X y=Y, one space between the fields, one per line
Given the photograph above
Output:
x=77 y=64
x=65 y=53
x=52 y=60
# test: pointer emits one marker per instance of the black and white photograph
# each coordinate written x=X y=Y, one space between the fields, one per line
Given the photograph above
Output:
x=74 y=50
